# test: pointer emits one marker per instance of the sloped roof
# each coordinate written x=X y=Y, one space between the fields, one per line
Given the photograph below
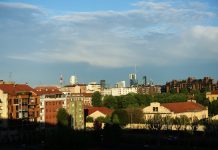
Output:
x=12 y=89
x=47 y=90
x=180 y=107
x=103 y=110
x=214 y=92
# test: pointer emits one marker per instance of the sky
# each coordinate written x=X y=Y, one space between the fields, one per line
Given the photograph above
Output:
x=107 y=39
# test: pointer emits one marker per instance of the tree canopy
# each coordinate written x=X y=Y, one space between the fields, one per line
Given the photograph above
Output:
x=96 y=99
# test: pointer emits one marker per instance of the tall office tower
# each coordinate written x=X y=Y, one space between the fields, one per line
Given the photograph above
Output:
x=145 y=80
x=73 y=80
x=120 y=84
x=103 y=84
x=132 y=80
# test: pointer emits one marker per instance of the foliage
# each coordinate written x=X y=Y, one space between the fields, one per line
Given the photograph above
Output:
x=100 y=119
x=62 y=117
x=122 y=116
x=135 y=115
x=115 y=119
x=96 y=99
x=168 y=122
x=185 y=121
x=177 y=122
x=213 y=108
x=89 y=119
x=155 y=123
x=194 y=124
x=110 y=102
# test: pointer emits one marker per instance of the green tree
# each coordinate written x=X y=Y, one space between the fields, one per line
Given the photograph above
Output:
x=185 y=121
x=62 y=117
x=129 y=101
x=194 y=123
x=184 y=90
x=155 y=123
x=177 y=122
x=89 y=119
x=110 y=102
x=100 y=119
x=135 y=115
x=168 y=122
x=213 y=108
x=115 y=119
x=96 y=99
x=122 y=116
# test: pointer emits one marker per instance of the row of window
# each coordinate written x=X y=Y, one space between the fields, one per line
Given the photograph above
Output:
x=54 y=103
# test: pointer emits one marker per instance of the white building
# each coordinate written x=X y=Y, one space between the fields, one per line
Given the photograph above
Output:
x=93 y=87
x=120 y=84
x=119 y=91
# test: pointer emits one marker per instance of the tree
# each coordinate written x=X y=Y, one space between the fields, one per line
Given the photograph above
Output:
x=184 y=90
x=129 y=101
x=89 y=119
x=194 y=124
x=168 y=122
x=115 y=119
x=110 y=102
x=62 y=117
x=96 y=99
x=100 y=119
x=122 y=116
x=185 y=121
x=213 y=108
x=177 y=122
x=135 y=115
x=155 y=122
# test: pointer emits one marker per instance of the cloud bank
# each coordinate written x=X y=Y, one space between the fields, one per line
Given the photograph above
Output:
x=152 y=33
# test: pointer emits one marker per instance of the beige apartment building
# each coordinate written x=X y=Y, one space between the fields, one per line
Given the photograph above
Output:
x=211 y=96
x=190 y=108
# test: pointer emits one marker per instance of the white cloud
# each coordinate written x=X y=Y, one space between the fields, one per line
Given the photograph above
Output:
x=160 y=35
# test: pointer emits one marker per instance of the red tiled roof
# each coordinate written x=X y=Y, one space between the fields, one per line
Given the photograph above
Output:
x=47 y=90
x=214 y=92
x=180 y=107
x=12 y=89
x=103 y=110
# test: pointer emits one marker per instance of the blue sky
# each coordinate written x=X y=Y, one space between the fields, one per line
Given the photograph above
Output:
x=105 y=39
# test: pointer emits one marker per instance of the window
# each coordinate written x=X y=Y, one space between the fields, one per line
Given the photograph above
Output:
x=155 y=109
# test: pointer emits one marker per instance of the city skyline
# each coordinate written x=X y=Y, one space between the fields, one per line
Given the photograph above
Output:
x=94 y=40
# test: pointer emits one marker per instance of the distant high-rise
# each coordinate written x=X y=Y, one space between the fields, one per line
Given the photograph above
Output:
x=132 y=79
x=61 y=81
x=73 y=80
x=121 y=84
x=103 y=84
x=145 y=80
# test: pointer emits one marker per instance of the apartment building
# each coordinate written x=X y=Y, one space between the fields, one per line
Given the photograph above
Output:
x=18 y=102
x=192 y=84
x=212 y=96
x=51 y=100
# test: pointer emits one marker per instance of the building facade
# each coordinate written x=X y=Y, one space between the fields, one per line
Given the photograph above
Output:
x=192 y=84
x=190 y=108
x=18 y=102
x=51 y=100
x=149 y=89
x=212 y=96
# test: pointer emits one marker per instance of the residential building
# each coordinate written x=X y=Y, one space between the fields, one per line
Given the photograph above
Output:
x=18 y=102
x=96 y=112
x=119 y=91
x=76 y=111
x=149 y=89
x=51 y=100
x=192 y=84
x=190 y=108
x=76 y=88
x=213 y=95
x=93 y=87
x=86 y=98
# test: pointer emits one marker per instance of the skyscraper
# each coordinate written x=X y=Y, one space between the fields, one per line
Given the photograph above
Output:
x=132 y=79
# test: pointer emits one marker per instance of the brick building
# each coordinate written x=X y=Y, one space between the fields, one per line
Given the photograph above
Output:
x=18 y=102
x=192 y=84
x=51 y=99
